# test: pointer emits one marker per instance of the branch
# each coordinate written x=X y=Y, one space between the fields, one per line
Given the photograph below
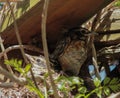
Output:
x=20 y=41
x=7 y=85
x=94 y=56
x=17 y=31
x=5 y=55
x=1 y=41
x=45 y=47
x=20 y=81
x=27 y=47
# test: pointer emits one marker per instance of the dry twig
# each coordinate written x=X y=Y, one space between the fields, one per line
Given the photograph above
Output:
x=7 y=85
x=94 y=56
x=1 y=41
x=20 y=81
x=44 y=18
x=27 y=47
x=20 y=41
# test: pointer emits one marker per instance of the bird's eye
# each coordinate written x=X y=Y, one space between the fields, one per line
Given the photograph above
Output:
x=38 y=60
x=83 y=32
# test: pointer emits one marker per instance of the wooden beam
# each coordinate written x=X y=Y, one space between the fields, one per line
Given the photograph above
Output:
x=61 y=14
x=11 y=0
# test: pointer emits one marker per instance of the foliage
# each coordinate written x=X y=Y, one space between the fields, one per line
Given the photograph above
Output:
x=17 y=65
x=117 y=3
x=67 y=85
x=109 y=85
x=33 y=88
x=112 y=84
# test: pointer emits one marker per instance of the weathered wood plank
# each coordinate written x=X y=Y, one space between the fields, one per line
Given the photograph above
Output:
x=61 y=13
x=109 y=29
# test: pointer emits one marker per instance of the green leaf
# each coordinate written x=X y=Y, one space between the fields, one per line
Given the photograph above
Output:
x=19 y=63
x=82 y=90
x=27 y=68
x=107 y=91
x=50 y=92
x=106 y=80
x=46 y=75
x=97 y=82
x=34 y=89
x=30 y=88
x=13 y=62
x=7 y=62
x=19 y=70
x=61 y=78
x=61 y=86
x=75 y=80
x=80 y=96
x=99 y=93
x=114 y=88
x=117 y=3
x=114 y=81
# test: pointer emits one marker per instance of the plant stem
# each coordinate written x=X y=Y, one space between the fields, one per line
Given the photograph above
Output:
x=93 y=91
x=94 y=55
x=44 y=41
x=20 y=41
x=1 y=41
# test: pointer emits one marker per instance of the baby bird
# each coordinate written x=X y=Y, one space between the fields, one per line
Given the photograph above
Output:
x=38 y=64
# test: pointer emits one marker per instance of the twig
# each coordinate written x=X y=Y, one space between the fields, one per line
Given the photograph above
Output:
x=20 y=81
x=1 y=42
x=94 y=56
x=17 y=31
x=27 y=47
x=111 y=50
x=7 y=85
x=43 y=27
x=96 y=68
x=5 y=55
x=2 y=16
x=20 y=41
x=96 y=21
